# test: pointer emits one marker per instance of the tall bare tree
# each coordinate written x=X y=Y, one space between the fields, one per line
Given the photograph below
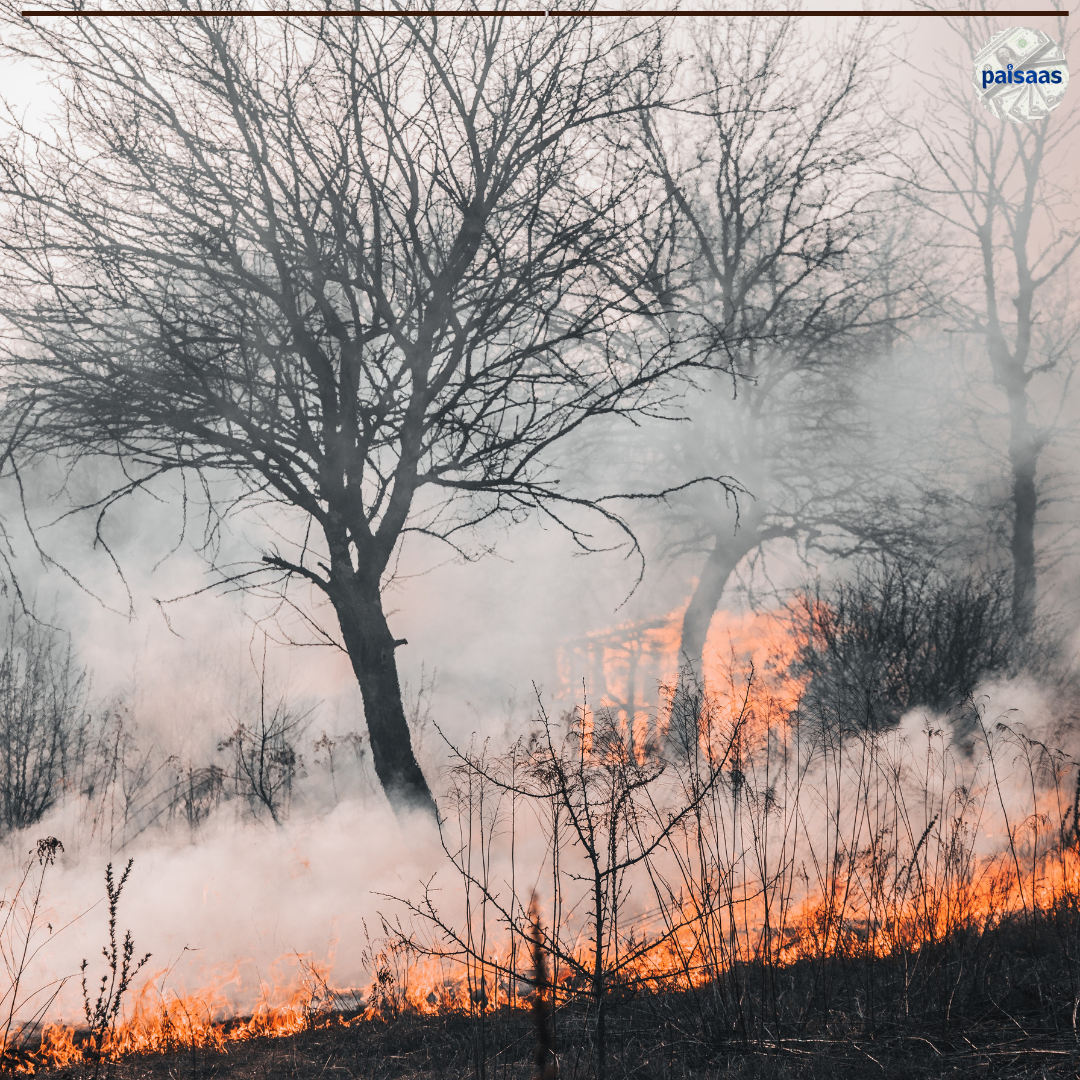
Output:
x=375 y=269
x=999 y=197
x=787 y=245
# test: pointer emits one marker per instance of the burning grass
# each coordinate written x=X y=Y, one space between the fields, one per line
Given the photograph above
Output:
x=660 y=1034
x=743 y=888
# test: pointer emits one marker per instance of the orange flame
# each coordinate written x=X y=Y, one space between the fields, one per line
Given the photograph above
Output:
x=939 y=878
x=625 y=668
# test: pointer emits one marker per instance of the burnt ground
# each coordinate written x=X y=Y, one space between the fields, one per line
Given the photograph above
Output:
x=450 y=1046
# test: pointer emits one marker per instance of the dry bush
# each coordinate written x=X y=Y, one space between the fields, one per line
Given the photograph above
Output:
x=22 y=1006
x=805 y=881
x=899 y=635
x=42 y=719
x=265 y=762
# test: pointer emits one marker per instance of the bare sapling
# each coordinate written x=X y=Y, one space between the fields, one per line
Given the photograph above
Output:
x=102 y=1014
x=610 y=807
x=20 y=932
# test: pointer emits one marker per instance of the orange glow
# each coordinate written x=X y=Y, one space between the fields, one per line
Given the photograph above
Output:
x=160 y=1022
x=848 y=922
x=890 y=873
x=625 y=668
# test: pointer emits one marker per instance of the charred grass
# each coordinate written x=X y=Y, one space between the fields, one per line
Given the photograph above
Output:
x=1000 y=1001
x=657 y=1040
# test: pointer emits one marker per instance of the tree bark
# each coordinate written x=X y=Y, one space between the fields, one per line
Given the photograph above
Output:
x=371 y=646
x=1023 y=459
x=725 y=556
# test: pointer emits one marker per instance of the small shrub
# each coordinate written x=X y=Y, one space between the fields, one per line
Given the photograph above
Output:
x=265 y=762
x=197 y=793
x=123 y=967
x=898 y=636
x=23 y=1007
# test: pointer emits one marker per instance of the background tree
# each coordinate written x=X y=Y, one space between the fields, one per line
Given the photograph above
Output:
x=897 y=635
x=43 y=719
x=265 y=762
x=788 y=248
x=373 y=269
x=1012 y=232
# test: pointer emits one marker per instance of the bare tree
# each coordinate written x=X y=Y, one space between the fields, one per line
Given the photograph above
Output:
x=994 y=190
x=787 y=246
x=196 y=792
x=43 y=716
x=373 y=269
x=897 y=635
x=609 y=811
x=265 y=761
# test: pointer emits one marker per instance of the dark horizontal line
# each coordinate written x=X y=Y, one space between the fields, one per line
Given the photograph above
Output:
x=517 y=14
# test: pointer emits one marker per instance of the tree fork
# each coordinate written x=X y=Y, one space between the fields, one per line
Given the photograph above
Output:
x=703 y=603
x=727 y=553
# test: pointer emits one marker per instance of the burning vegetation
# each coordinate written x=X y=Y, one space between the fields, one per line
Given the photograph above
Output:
x=763 y=867
x=339 y=288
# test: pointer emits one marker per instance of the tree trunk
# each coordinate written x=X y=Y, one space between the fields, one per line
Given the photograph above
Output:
x=720 y=565
x=1011 y=376
x=598 y=988
x=371 y=649
x=1023 y=459
x=1010 y=368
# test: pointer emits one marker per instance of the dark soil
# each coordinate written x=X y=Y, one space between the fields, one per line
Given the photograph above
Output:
x=502 y=1048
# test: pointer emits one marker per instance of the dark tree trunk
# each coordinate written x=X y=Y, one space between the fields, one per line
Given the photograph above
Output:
x=598 y=988
x=720 y=565
x=371 y=648
x=1023 y=459
x=1011 y=371
x=1010 y=374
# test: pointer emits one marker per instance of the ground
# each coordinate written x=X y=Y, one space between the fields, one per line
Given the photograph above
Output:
x=424 y=1047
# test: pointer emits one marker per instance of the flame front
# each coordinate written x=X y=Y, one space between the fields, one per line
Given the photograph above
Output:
x=818 y=842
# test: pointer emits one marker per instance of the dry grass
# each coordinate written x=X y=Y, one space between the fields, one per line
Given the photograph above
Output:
x=650 y=1039
x=749 y=890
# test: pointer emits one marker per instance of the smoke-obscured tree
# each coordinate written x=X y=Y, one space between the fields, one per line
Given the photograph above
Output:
x=996 y=198
x=42 y=720
x=371 y=271
x=787 y=245
x=196 y=793
x=265 y=763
